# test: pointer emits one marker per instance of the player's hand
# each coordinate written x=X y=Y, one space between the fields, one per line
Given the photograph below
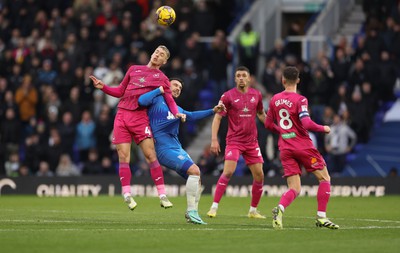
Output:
x=327 y=129
x=161 y=89
x=97 y=83
x=215 y=148
x=181 y=116
x=219 y=107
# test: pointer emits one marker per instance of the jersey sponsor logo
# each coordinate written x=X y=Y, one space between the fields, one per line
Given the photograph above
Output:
x=252 y=100
x=156 y=75
x=138 y=71
x=304 y=108
x=236 y=100
x=314 y=162
x=288 y=135
x=229 y=153
x=142 y=80
x=158 y=178
x=245 y=109
x=304 y=100
x=181 y=157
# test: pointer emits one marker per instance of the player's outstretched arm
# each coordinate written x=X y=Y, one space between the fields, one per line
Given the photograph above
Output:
x=97 y=83
x=147 y=98
x=196 y=115
x=310 y=125
x=117 y=91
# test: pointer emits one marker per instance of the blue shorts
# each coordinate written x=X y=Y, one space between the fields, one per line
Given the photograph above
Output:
x=175 y=159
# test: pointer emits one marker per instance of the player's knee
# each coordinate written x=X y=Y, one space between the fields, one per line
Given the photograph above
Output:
x=150 y=155
x=123 y=156
x=194 y=170
x=228 y=174
x=297 y=189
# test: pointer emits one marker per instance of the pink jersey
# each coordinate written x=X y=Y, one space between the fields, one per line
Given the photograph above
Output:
x=241 y=109
x=138 y=80
x=287 y=109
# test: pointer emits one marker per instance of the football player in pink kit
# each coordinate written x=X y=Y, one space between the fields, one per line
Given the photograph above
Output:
x=132 y=122
x=242 y=104
x=290 y=112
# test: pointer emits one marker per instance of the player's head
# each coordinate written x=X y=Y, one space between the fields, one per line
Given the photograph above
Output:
x=176 y=86
x=242 y=77
x=290 y=76
x=160 y=56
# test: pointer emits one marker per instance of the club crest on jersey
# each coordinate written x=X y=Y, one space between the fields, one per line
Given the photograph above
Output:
x=142 y=80
x=252 y=100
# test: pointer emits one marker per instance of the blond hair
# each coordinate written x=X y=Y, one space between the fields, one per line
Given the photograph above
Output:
x=166 y=50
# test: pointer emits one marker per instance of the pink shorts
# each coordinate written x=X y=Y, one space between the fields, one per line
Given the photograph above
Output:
x=250 y=152
x=130 y=125
x=292 y=160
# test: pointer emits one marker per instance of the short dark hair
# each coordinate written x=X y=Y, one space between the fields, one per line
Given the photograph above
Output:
x=291 y=74
x=243 y=68
x=177 y=79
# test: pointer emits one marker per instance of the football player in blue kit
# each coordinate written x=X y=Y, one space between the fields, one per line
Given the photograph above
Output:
x=169 y=150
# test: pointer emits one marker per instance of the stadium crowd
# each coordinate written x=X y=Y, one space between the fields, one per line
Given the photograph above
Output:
x=53 y=121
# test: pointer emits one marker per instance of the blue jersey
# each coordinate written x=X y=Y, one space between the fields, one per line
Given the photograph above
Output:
x=165 y=128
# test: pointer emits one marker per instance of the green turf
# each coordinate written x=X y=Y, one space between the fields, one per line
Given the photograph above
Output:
x=104 y=224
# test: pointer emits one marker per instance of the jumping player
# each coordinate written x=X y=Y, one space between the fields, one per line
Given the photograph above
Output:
x=132 y=122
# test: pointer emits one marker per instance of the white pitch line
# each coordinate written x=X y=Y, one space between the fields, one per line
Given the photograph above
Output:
x=160 y=223
x=203 y=228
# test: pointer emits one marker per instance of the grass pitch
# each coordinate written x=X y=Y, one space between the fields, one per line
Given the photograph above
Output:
x=104 y=224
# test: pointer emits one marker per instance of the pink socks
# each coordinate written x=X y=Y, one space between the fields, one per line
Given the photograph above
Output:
x=157 y=176
x=288 y=197
x=324 y=192
x=221 y=187
x=256 y=193
x=125 y=176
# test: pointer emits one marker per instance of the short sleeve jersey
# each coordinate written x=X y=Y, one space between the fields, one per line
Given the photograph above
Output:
x=241 y=110
x=287 y=109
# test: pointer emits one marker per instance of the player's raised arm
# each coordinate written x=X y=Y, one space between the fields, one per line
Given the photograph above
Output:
x=147 y=98
x=117 y=91
x=169 y=99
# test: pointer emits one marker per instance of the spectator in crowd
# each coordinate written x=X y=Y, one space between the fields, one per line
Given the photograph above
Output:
x=338 y=144
x=66 y=167
x=26 y=96
x=92 y=166
x=44 y=170
x=85 y=135
x=359 y=116
x=12 y=164
x=249 y=47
